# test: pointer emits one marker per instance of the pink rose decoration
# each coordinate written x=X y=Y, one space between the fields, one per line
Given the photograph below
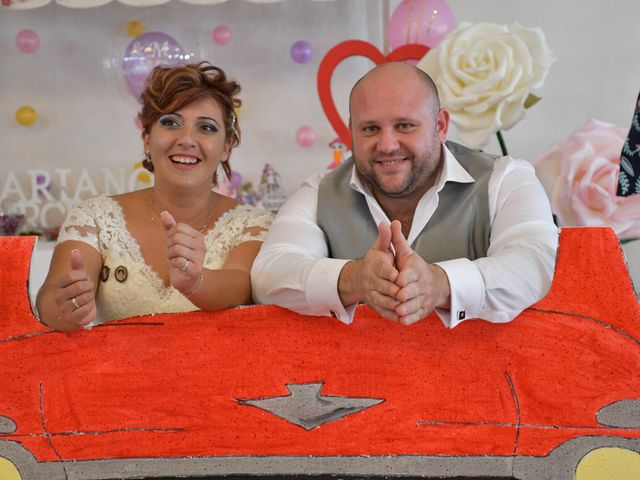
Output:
x=580 y=175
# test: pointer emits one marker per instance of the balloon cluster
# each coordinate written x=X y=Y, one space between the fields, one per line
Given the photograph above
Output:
x=27 y=41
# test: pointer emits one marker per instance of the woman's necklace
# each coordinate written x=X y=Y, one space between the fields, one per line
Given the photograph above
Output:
x=151 y=206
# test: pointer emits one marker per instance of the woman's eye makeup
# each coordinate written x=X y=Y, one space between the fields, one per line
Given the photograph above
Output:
x=175 y=121
x=209 y=127
x=170 y=120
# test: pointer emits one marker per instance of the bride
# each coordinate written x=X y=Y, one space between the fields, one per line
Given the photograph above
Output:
x=177 y=246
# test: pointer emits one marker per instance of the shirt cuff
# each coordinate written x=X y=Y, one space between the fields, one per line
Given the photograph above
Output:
x=467 y=291
x=322 y=290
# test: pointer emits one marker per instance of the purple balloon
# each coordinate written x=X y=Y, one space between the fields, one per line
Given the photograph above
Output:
x=144 y=53
x=420 y=21
x=301 y=51
x=27 y=41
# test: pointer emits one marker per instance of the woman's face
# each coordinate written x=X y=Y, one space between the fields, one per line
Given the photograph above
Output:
x=187 y=146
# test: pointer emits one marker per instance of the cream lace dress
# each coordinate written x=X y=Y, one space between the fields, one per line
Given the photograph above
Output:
x=100 y=223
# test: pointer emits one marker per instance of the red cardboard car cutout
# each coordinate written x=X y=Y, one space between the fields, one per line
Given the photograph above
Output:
x=261 y=390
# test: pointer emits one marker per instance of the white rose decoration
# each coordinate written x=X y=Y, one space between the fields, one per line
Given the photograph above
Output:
x=484 y=73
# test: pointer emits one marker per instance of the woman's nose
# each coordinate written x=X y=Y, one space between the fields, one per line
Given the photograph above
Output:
x=186 y=138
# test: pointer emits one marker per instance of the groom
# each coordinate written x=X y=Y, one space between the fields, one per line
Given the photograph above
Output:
x=410 y=224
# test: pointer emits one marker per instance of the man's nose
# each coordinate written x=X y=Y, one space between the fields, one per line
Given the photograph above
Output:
x=388 y=140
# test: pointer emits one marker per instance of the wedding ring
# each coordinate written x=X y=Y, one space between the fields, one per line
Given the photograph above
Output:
x=186 y=266
x=75 y=303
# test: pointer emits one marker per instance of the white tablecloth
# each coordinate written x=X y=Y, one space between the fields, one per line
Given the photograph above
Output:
x=44 y=249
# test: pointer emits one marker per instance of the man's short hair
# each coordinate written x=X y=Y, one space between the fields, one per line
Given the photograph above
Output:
x=424 y=76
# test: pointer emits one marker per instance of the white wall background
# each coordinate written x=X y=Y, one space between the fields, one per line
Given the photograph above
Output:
x=85 y=120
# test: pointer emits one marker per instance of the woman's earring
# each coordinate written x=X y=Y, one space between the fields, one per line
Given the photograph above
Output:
x=146 y=162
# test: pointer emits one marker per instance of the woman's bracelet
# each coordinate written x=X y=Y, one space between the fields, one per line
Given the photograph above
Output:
x=198 y=286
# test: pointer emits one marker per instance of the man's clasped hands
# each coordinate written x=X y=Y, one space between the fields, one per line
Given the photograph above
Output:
x=394 y=280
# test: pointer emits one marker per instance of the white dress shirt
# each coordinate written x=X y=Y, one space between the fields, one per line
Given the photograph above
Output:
x=292 y=269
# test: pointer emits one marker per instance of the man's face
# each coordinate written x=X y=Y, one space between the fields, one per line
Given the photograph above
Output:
x=396 y=134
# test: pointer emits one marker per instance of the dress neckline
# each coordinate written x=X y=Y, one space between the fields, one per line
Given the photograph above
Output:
x=136 y=250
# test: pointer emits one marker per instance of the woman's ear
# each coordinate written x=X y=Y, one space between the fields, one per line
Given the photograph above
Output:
x=227 y=151
x=145 y=140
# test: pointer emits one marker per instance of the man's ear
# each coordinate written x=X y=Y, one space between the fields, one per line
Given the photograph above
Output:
x=350 y=127
x=442 y=124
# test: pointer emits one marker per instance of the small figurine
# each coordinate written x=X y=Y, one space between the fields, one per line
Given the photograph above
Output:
x=339 y=153
x=247 y=194
x=271 y=193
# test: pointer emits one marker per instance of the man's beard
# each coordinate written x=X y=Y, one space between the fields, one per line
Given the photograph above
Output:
x=415 y=179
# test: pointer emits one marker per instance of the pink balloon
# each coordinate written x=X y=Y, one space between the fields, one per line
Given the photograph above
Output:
x=425 y=22
x=306 y=136
x=221 y=34
x=27 y=41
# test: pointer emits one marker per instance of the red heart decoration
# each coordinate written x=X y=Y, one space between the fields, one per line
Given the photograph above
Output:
x=350 y=48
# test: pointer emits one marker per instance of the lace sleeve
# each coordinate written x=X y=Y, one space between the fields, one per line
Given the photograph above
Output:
x=80 y=224
x=257 y=223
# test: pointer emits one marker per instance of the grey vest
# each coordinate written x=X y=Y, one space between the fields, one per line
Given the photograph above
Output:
x=459 y=228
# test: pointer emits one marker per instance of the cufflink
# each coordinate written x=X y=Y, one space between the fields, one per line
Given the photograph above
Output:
x=461 y=315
